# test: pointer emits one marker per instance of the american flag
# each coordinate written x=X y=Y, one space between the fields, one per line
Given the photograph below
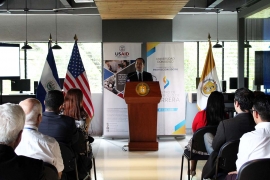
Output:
x=76 y=78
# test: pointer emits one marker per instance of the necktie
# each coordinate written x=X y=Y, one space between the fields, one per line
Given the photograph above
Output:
x=140 y=76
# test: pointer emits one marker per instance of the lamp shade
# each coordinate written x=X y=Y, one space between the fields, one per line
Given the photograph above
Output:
x=56 y=46
x=26 y=46
x=217 y=45
x=246 y=45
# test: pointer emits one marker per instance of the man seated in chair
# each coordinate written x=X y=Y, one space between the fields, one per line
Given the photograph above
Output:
x=256 y=144
x=61 y=127
x=231 y=129
x=12 y=166
x=35 y=144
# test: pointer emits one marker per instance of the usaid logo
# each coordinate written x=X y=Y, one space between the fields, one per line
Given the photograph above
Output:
x=122 y=48
x=122 y=52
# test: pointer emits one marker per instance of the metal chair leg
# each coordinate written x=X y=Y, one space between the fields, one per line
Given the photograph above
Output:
x=182 y=164
x=188 y=169
x=94 y=162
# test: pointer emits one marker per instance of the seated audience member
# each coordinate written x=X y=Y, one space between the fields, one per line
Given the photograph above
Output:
x=210 y=116
x=73 y=107
x=255 y=144
x=231 y=129
x=12 y=166
x=61 y=127
x=35 y=144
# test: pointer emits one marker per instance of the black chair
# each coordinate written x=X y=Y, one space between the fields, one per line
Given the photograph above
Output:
x=197 y=144
x=226 y=159
x=255 y=169
x=50 y=171
x=69 y=160
x=86 y=158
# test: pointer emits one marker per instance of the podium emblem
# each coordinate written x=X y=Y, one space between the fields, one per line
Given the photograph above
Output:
x=142 y=89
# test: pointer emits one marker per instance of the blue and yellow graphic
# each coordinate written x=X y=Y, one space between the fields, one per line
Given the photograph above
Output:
x=166 y=81
x=180 y=128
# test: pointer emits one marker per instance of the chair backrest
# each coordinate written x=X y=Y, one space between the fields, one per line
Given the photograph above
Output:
x=255 y=169
x=50 y=171
x=227 y=156
x=198 y=140
x=68 y=157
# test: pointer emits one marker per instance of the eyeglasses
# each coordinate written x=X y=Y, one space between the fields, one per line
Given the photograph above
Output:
x=251 y=110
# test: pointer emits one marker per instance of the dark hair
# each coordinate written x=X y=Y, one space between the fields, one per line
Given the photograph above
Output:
x=215 y=108
x=141 y=59
x=262 y=106
x=53 y=100
x=245 y=97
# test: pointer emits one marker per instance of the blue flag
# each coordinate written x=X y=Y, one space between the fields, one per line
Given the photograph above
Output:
x=49 y=78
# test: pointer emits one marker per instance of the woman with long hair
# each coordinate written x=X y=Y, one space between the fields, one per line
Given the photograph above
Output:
x=73 y=107
x=210 y=116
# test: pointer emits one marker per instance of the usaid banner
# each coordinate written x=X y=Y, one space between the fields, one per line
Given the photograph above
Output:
x=166 y=63
x=118 y=60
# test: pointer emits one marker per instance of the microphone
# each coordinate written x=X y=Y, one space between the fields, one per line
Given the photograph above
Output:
x=154 y=77
x=127 y=80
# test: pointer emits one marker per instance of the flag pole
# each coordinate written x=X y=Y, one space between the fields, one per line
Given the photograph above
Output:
x=50 y=41
x=75 y=38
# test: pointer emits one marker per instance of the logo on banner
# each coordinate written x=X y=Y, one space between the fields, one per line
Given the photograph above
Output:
x=208 y=86
x=122 y=52
x=166 y=81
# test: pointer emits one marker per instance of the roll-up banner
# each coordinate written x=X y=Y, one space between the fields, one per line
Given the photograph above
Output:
x=118 y=60
x=166 y=63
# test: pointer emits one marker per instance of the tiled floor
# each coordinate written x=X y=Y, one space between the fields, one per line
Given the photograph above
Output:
x=113 y=163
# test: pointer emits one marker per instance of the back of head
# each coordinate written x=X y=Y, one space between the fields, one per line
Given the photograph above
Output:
x=245 y=97
x=215 y=108
x=73 y=103
x=32 y=108
x=262 y=106
x=53 y=100
x=12 y=120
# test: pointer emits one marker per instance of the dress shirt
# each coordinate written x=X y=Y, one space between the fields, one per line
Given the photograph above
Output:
x=39 y=146
x=254 y=144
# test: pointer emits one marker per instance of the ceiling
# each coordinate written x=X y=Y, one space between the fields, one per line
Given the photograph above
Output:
x=124 y=9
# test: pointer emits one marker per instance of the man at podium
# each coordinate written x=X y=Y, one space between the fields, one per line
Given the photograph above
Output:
x=139 y=74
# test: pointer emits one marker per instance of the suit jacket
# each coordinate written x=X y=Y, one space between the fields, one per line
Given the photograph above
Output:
x=228 y=130
x=13 y=166
x=61 y=127
x=146 y=76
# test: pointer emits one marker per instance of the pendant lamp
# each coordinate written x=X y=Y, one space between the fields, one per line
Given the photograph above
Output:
x=217 y=45
x=247 y=45
x=26 y=46
x=56 y=46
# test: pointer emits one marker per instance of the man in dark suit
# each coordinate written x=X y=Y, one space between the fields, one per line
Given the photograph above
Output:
x=232 y=129
x=12 y=166
x=61 y=127
x=139 y=74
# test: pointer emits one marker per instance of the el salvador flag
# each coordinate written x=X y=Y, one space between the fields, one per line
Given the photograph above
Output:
x=49 y=78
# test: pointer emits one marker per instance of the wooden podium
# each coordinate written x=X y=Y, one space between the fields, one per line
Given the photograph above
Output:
x=142 y=115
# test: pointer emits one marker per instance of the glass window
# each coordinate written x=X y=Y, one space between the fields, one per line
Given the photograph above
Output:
x=90 y=54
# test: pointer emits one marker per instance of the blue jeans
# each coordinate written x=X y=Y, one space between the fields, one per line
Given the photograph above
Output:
x=208 y=139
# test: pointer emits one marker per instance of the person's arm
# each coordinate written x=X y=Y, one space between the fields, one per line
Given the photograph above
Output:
x=243 y=152
x=151 y=77
x=219 y=138
x=196 y=120
x=59 y=161
x=87 y=123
